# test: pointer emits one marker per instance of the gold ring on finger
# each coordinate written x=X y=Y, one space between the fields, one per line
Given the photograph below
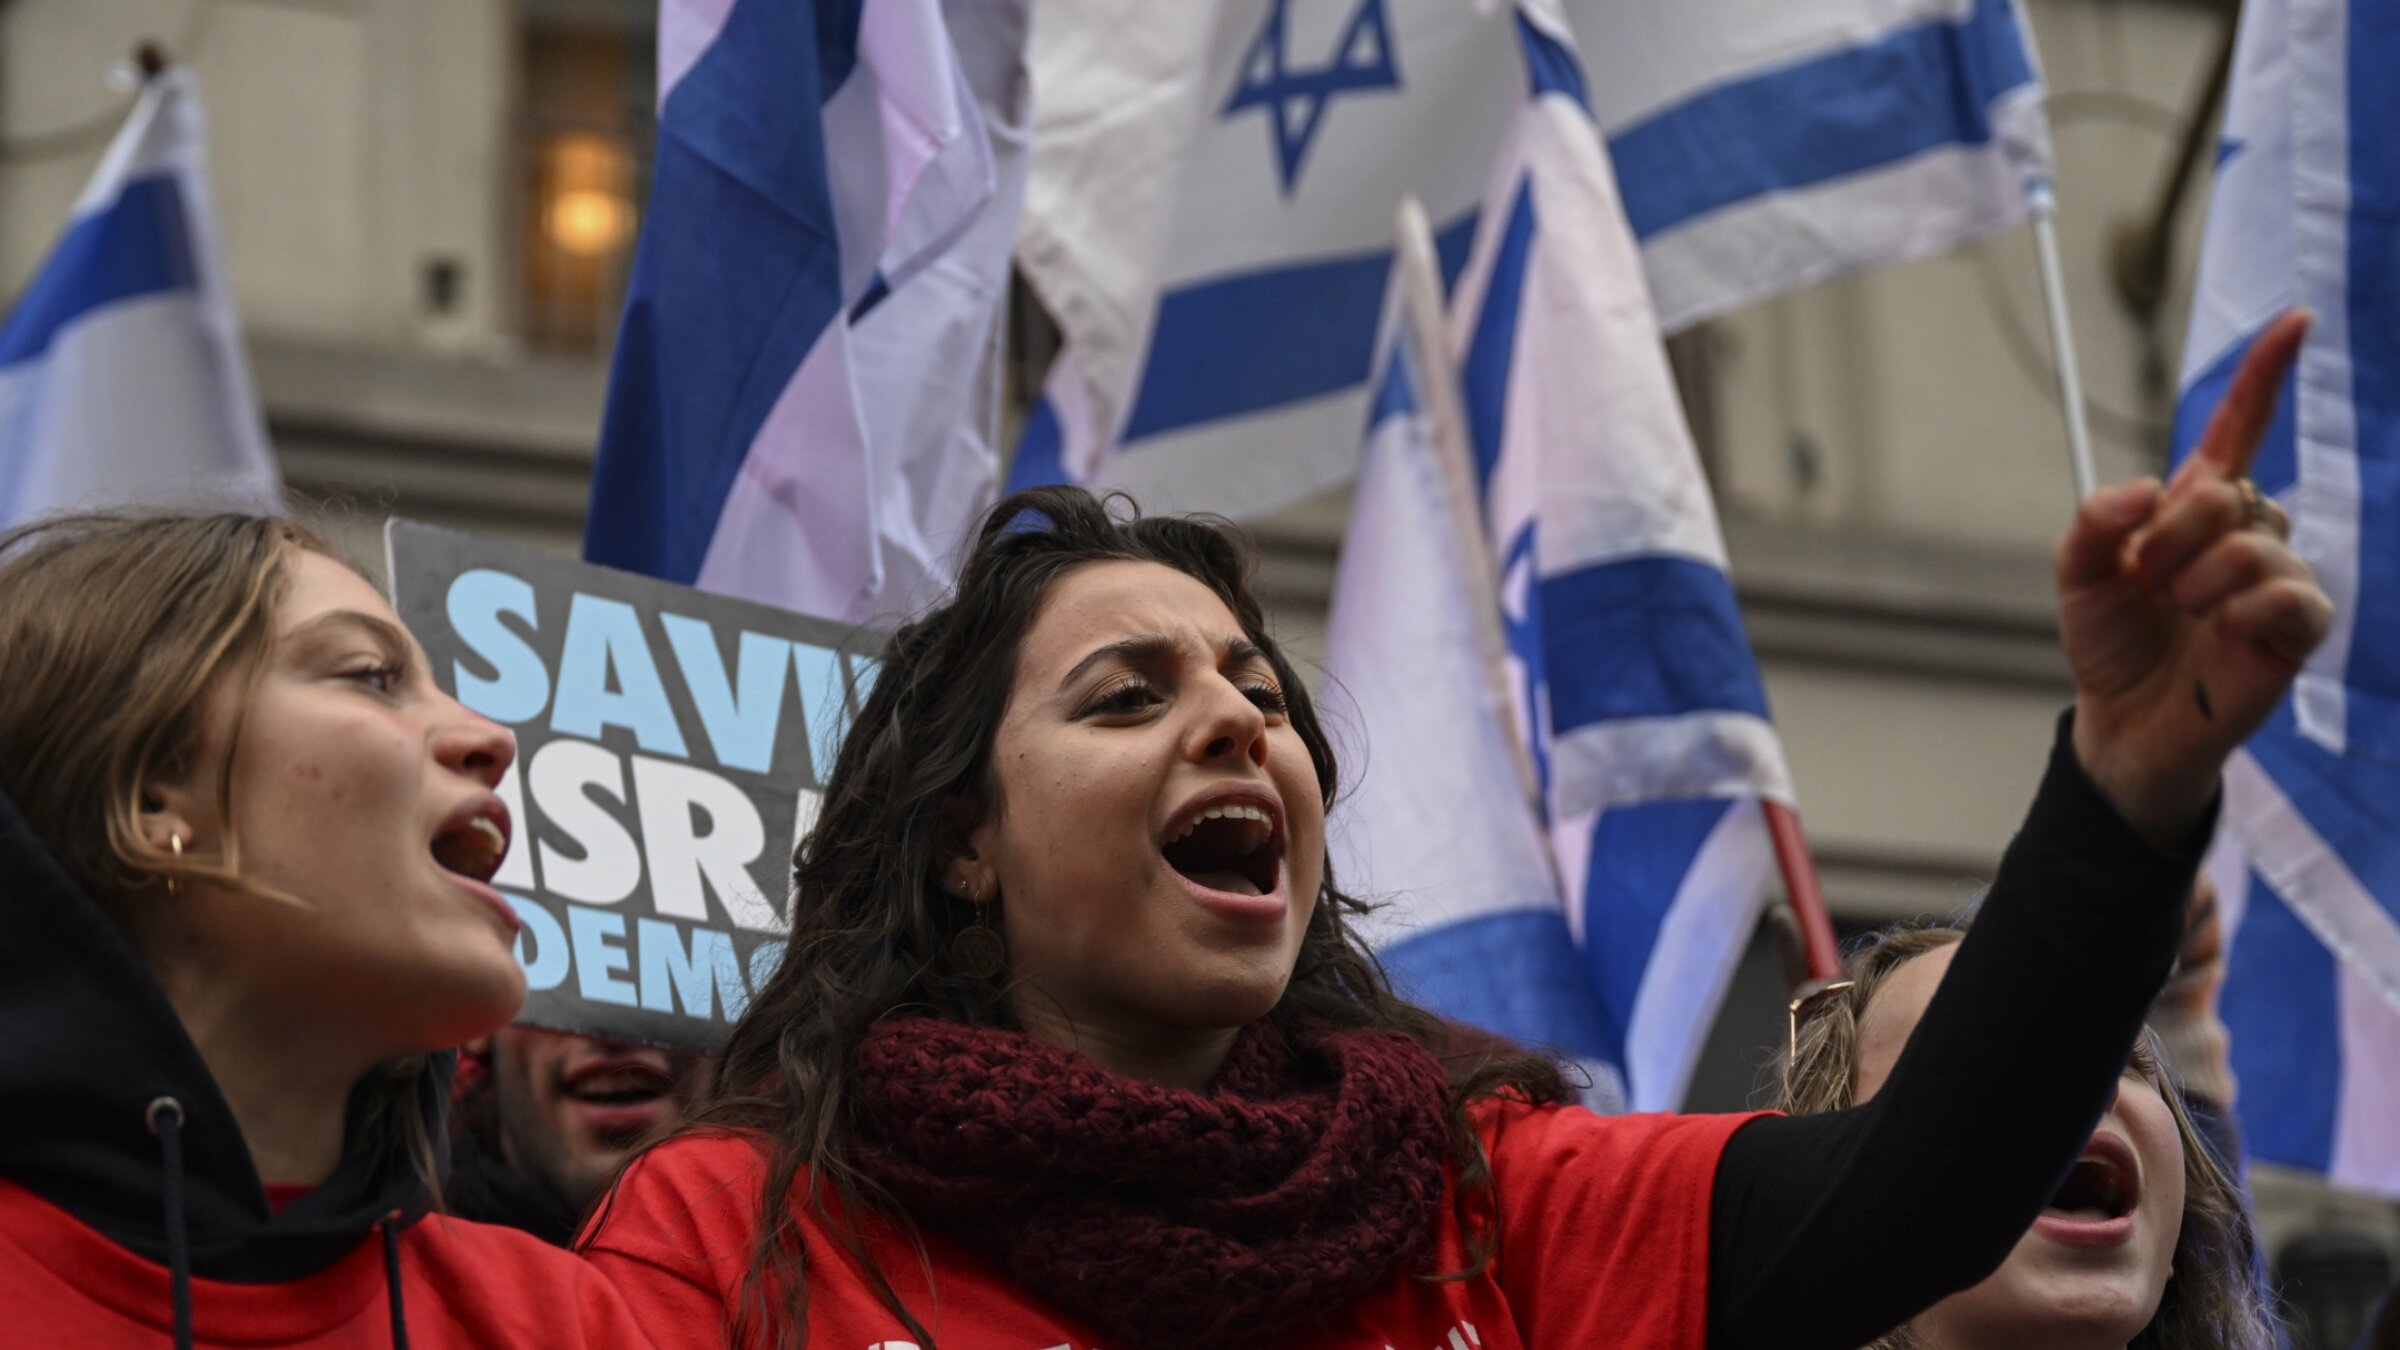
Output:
x=2254 y=502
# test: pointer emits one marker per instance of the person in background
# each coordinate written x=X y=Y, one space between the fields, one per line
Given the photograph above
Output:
x=541 y=1121
x=245 y=846
x=2146 y=1243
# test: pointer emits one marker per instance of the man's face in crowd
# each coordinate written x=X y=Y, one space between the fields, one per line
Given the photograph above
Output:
x=570 y=1109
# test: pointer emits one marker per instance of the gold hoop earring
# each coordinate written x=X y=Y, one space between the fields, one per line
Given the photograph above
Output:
x=175 y=843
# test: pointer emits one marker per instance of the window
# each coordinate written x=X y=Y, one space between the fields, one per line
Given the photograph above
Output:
x=587 y=88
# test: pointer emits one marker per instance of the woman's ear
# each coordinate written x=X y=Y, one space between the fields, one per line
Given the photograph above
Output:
x=967 y=879
x=970 y=830
x=170 y=819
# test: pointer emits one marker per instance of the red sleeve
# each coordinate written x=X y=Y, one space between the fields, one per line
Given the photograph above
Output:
x=608 y=1321
x=1604 y=1223
x=675 y=1237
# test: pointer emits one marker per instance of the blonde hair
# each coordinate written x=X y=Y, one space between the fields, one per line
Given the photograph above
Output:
x=117 y=634
x=2212 y=1300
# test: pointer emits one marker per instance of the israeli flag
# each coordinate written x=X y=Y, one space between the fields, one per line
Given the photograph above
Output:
x=2309 y=161
x=806 y=383
x=1629 y=677
x=1214 y=182
x=1209 y=219
x=122 y=378
x=1438 y=824
x=2315 y=1045
x=1762 y=147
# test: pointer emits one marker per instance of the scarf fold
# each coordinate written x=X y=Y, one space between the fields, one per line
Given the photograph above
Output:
x=1309 y=1174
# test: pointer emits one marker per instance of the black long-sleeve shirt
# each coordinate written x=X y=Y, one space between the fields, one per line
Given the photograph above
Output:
x=1827 y=1231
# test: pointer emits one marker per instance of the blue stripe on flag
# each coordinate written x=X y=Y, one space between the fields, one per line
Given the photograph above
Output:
x=1551 y=66
x=1821 y=119
x=2373 y=676
x=2347 y=799
x=140 y=244
x=1640 y=857
x=837 y=41
x=1652 y=636
x=735 y=278
x=1493 y=347
x=877 y=290
x=2281 y=993
x=1258 y=340
x=2277 y=466
x=1041 y=451
x=1516 y=974
x=1396 y=392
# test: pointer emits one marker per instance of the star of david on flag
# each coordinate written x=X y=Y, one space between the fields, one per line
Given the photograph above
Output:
x=1219 y=297
x=1296 y=99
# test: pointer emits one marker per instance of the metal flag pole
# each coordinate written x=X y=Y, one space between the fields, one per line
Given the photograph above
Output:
x=2044 y=202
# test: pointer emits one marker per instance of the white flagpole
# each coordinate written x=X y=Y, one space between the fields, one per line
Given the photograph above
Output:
x=1423 y=329
x=2044 y=201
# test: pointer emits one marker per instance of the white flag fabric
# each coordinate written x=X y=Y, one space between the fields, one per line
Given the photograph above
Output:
x=2311 y=157
x=1633 y=682
x=1434 y=821
x=806 y=382
x=122 y=377
x=1209 y=219
x=1214 y=181
x=1765 y=145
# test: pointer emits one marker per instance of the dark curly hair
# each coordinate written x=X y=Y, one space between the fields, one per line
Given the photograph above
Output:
x=871 y=923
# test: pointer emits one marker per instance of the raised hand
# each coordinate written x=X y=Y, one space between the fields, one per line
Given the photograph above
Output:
x=2184 y=612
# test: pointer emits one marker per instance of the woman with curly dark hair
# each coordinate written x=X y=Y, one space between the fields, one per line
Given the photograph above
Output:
x=1075 y=1044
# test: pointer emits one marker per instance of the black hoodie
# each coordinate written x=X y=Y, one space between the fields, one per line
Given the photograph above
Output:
x=93 y=1051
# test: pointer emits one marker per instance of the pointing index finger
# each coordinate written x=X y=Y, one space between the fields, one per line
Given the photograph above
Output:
x=2240 y=422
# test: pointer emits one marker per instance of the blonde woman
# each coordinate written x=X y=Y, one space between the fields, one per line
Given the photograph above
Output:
x=245 y=846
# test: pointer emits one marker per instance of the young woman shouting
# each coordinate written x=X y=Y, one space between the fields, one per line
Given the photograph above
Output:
x=1074 y=1044
x=244 y=848
x=2145 y=1243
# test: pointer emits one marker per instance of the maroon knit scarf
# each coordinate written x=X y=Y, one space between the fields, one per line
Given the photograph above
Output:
x=1310 y=1174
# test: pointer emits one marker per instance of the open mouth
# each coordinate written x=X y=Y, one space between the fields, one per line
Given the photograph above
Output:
x=620 y=1085
x=1232 y=847
x=623 y=1098
x=472 y=846
x=2097 y=1188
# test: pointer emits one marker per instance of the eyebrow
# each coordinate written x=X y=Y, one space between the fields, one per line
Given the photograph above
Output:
x=1154 y=649
x=386 y=634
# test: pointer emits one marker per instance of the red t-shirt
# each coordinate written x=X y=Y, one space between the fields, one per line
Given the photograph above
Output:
x=463 y=1284
x=1603 y=1241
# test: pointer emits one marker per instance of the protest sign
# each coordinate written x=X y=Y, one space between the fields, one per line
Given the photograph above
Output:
x=672 y=746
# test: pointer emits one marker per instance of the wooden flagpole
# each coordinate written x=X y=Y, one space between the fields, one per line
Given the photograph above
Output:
x=1423 y=328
